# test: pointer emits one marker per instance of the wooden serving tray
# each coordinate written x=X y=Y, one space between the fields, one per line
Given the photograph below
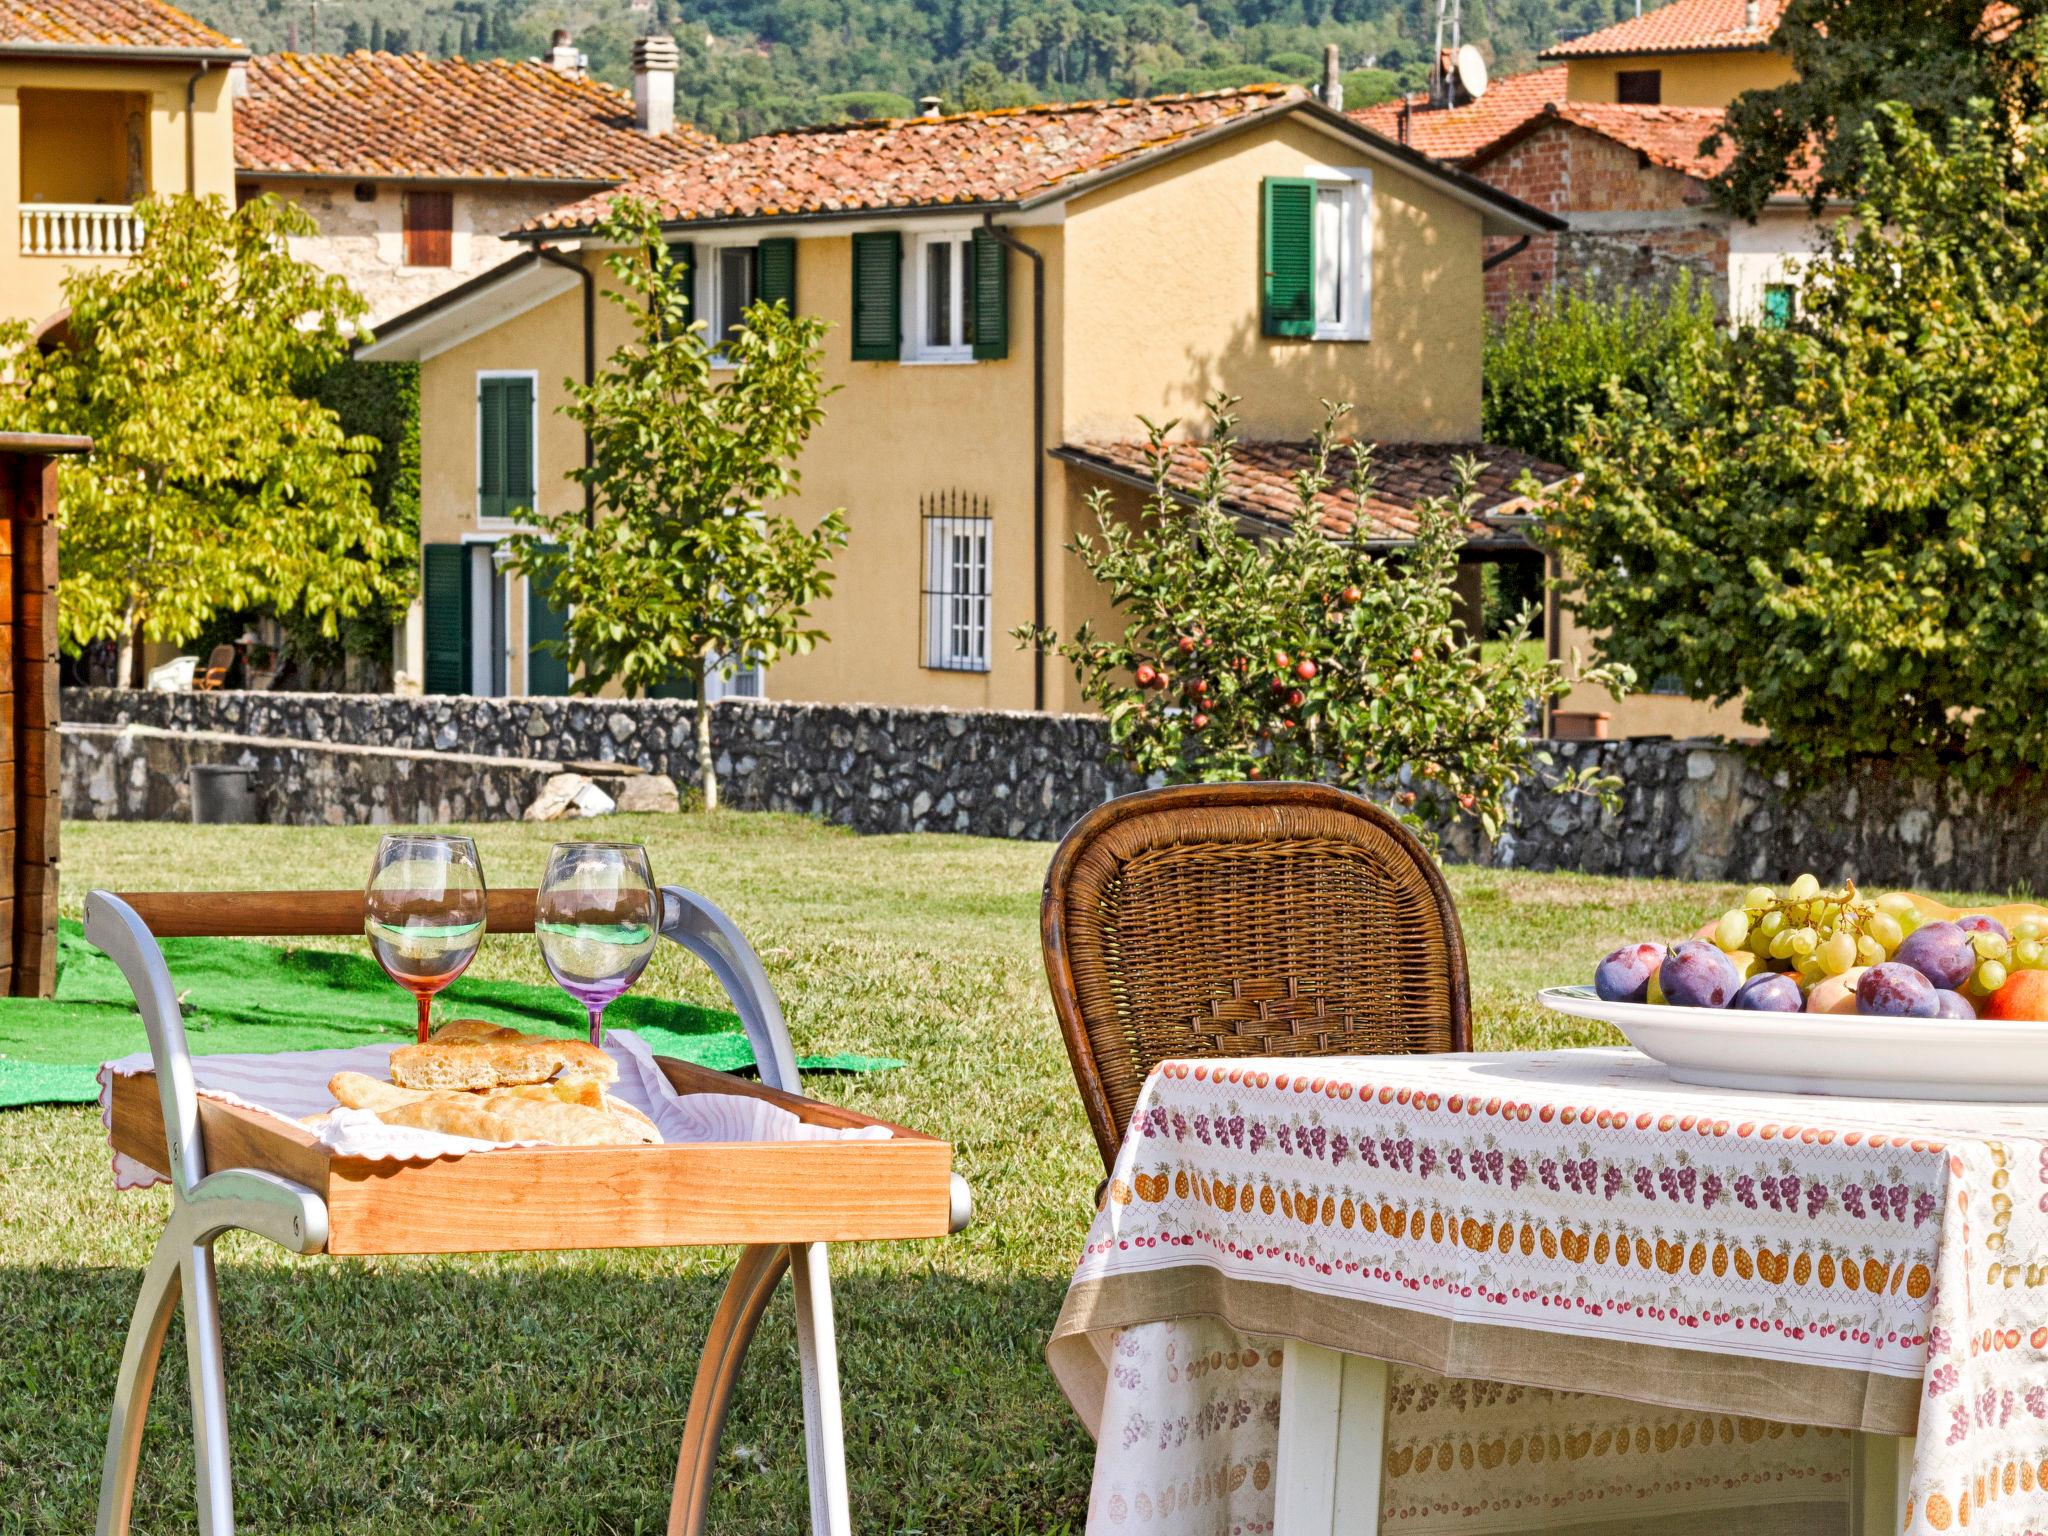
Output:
x=522 y=1198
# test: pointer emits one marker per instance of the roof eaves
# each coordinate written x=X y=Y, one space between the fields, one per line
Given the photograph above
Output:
x=1653 y=51
x=583 y=184
x=1253 y=523
x=130 y=53
x=448 y=298
x=815 y=216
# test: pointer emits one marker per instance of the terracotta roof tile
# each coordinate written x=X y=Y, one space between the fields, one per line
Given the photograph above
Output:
x=1454 y=133
x=1261 y=482
x=390 y=114
x=1684 y=26
x=913 y=162
x=106 y=23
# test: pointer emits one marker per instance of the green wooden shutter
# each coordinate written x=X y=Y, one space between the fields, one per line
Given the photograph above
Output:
x=991 y=297
x=444 y=586
x=547 y=674
x=877 y=297
x=685 y=255
x=1287 y=288
x=775 y=273
x=517 y=395
x=490 y=456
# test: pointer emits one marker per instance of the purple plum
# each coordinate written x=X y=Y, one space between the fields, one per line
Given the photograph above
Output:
x=1953 y=1005
x=1770 y=992
x=1939 y=951
x=1624 y=976
x=1697 y=974
x=1897 y=991
x=1982 y=922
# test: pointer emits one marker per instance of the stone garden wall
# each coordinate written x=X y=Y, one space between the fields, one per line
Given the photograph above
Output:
x=873 y=769
x=1691 y=810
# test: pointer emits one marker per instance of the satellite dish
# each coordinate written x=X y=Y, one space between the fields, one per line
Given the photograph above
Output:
x=1471 y=69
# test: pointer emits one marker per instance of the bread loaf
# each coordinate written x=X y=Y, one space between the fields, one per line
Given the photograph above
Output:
x=470 y=1054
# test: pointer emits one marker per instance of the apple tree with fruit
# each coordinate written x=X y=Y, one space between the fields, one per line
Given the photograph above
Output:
x=1305 y=656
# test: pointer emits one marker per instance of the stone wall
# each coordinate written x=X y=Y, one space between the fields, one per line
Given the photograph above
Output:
x=144 y=773
x=1698 y=810
x=1694 y=810
x=993 y=773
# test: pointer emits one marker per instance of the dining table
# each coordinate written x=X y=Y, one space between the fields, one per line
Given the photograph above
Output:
x=1558 y=1290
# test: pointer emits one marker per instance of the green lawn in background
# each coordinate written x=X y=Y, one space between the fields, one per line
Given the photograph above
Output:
x=545 y=1393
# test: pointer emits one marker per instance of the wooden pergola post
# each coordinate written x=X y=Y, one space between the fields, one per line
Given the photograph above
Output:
x=30 y=784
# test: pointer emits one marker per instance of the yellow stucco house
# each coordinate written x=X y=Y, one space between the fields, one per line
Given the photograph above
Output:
x=1008 y=292
x=102 y=102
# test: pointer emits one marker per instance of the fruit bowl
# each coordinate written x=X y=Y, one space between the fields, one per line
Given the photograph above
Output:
x=1856 y=1055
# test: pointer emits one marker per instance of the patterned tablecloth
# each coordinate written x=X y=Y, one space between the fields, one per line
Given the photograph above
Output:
x=1571 y=1222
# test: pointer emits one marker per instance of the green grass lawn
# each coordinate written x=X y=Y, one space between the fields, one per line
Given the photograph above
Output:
x=544 y=1393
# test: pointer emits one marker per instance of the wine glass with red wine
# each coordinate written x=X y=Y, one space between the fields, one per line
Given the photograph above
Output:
x=424 y=912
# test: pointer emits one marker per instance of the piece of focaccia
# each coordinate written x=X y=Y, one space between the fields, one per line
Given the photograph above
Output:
x=524 y=1114
x=471 y=1054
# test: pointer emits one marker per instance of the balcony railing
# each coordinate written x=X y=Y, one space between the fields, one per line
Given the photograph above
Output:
x=80 y=229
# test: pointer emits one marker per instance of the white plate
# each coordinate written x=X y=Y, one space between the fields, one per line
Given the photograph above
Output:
x=1995 y=1060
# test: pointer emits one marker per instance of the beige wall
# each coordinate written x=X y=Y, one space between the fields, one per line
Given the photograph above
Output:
x=1162 y=305
x=1690 y=79
x=31 y=287
x=365 y=241
x=892 y=434
x=1642 y=713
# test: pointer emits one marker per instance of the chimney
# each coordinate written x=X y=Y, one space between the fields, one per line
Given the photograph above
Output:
x=930 y=105
x=565 y=56
x=654 y=83
x=1333 y=79
x=238 y=76
x=1750 y=15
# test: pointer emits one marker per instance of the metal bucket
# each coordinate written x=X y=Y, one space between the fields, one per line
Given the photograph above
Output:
x=223 y=793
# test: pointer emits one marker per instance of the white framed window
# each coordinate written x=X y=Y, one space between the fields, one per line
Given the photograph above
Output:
x=958 y=539
x=747 y=682
x=939 y=318
x=1343 y=253
x=728 y=280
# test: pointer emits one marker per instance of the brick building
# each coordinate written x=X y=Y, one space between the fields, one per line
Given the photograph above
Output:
x=1608 y=136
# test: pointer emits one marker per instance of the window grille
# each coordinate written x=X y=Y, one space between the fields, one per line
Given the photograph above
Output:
x=958 y=533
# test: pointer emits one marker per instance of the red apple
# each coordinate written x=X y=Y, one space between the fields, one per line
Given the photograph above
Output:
x=1305 y=670
x=1147 y=674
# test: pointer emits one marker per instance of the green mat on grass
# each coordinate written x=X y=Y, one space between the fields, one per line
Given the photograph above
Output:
x=239 y=995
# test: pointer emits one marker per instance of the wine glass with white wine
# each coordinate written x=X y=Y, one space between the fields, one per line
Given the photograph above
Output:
x=597 y=915
x=424 y=911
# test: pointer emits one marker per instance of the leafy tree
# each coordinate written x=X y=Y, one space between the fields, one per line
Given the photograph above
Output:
x=1550 y=361
x=1306 y=657
x=683 y=572
x=1843 y=523
x=215 y=483
x=1852 y=56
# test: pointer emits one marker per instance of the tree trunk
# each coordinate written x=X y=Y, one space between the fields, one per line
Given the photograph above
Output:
x=128 y=652
x=707 y=770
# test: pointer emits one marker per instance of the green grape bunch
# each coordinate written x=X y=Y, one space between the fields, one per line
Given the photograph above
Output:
x=1814 y=934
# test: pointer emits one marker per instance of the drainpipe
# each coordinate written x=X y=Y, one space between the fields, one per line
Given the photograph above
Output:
x=1037 y=260
x=191 y=128
x=589 y=280
x=1505 y=253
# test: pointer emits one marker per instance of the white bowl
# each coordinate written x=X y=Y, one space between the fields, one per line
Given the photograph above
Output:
x=1992 y=1060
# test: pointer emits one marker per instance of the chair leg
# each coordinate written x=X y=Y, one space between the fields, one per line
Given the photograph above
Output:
x=746 y=1297
x=824 y=1431
x=155 y=1303
x=206 y=1367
